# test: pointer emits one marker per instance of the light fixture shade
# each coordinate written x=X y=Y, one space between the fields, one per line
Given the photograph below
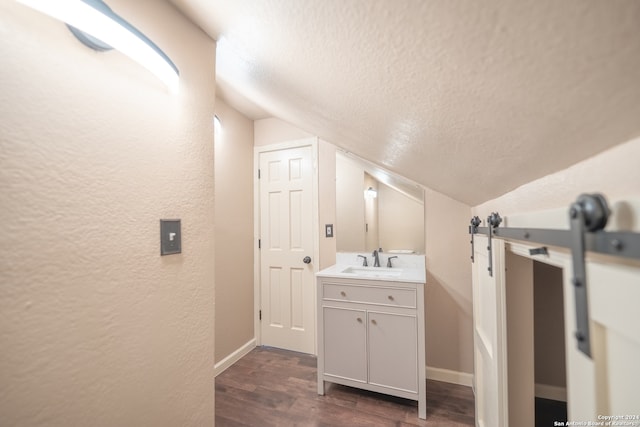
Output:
x=96 y=19
x=370 y=193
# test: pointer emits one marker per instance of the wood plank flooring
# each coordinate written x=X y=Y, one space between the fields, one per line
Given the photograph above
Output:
x=273 y=387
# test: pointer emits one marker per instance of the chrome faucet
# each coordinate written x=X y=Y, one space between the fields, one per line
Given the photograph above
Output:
x=376 y=260
x=364 y=260
x=389 y=265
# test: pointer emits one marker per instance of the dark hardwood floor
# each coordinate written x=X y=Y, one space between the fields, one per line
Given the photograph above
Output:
x=273 y=387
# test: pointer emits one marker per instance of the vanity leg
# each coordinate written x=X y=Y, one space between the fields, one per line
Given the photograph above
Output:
x=320 y=386
x=422 y=400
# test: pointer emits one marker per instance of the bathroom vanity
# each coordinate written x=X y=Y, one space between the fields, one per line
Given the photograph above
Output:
x=371 y=330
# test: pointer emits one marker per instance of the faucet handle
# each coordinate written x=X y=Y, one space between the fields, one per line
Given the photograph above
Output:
x=389 y=261
x=364 y=260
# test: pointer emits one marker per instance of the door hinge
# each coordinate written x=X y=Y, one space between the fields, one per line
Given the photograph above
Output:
x=258 y=173
x=259 y=314
x=259 y=244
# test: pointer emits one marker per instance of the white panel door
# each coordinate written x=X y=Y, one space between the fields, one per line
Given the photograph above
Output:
x=489 y=350
x=286 y=232
x=608 y=385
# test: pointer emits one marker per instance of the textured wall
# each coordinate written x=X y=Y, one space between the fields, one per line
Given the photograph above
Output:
x=273 y=131
x=234 y=231
x=97 y=329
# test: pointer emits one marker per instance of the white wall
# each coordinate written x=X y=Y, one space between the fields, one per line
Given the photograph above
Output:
x=96 y=328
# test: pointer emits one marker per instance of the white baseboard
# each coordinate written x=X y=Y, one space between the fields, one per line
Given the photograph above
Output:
x=551 y=392
x=449 y=376
x=234 y=357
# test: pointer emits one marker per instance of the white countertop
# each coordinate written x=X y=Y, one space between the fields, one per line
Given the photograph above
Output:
x=402 y=274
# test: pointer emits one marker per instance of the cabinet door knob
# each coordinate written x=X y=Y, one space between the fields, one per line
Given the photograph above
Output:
x=343 y=293
x=359 y=319
x=373 y=321
x=390 y=297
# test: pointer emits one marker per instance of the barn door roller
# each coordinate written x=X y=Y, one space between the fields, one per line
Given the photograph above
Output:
x=589 y=213
x=588 y=217
x=494 y=221
x=473 y=229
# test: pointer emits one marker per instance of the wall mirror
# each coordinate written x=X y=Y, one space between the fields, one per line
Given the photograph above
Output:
x=376 y=208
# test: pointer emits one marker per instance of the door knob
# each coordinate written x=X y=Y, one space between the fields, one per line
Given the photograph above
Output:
x=306 y=260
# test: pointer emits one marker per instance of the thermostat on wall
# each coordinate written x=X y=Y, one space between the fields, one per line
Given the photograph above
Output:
x=170 y=237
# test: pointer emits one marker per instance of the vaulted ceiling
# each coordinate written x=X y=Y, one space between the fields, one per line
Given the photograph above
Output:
x=469 y=98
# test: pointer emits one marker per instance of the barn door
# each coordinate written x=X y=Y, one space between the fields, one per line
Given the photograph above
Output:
x=606 y=385
x=489 y=340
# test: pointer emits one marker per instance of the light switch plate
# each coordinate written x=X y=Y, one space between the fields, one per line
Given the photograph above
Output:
x=328 y=230
x=170 y=237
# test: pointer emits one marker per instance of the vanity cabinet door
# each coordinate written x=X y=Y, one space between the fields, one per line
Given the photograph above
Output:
x=345 y=343
x=393 y=351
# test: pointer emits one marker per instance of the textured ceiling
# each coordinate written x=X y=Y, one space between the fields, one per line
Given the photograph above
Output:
x=469 y=98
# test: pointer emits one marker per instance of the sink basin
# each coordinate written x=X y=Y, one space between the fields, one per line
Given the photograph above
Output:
x=373 y=271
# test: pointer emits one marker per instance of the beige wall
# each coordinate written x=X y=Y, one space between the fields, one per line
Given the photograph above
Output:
x=448 y=297
x=520 y=339
x=400 y=220
x=96 y=328
x=549 y=325
x=614 y=172
x=350 y=231
x=274 y=131
x=234 y=231
x=327 y=201
x=371 y=233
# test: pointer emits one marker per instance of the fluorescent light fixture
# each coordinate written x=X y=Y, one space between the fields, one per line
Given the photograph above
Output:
x=370 y=193
x=96 y=19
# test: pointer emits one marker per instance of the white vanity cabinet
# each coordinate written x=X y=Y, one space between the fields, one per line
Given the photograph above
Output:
x=371 y=336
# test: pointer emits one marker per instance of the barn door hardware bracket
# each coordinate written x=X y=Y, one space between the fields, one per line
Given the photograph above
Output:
x=493 y=221
x=539 y=251
x=587 y=214
x=473 y=229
